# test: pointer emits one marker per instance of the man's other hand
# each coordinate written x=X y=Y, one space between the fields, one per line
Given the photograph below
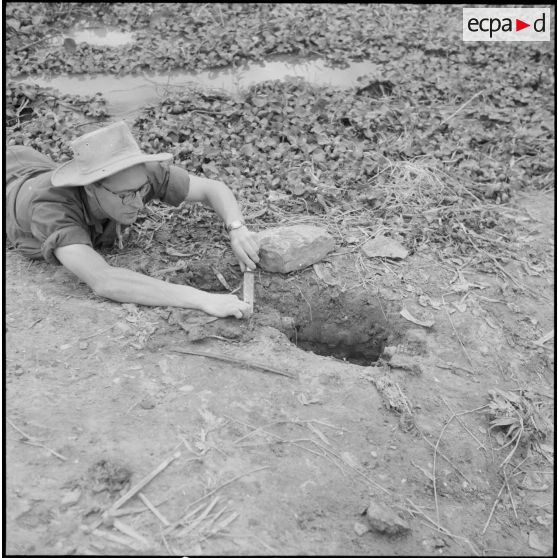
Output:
x=245 y=246
x=223 y=305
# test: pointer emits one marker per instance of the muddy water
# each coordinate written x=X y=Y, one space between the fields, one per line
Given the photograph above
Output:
x=106 y=36
x=126 y=95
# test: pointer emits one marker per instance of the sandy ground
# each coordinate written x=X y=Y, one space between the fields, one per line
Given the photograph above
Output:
x=96 y=399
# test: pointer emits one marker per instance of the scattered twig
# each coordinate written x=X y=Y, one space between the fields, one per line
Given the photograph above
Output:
x=306 y=300
x=540 y=342
x=224 y=524
x=464 y=425
x=493 y=508
x=169 y=549
x=35 y=323
x=454 y=415
x=455 y=331
x=432 y=130
x=237 y=361
x=114 y=538
x=179 y=521
x=443 y=529
x=30 y=440
x=200 y=518
x=165 y=270
x=138 y=486
x=100 y=332
x=452 y=366
x=153 y=509
x=221 y=279
x=322 y=447
x=445 y=458
x=511 y=496
x=132 y=533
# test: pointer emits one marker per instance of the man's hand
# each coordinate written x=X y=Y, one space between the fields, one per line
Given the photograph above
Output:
x=245 y=246
x=223 y=305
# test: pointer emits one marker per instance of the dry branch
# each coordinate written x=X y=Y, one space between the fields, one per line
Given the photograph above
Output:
x=237 y=361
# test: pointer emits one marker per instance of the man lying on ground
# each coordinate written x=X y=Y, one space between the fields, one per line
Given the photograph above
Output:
x=63 y=213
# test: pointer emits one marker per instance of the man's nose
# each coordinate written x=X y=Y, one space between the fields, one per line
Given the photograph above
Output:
x=137 y=202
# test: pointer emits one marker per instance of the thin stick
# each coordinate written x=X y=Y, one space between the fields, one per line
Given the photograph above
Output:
x=30 y=440
x=360 y=473
x=237 y=361
x=178 y=522
x=323 y=448
x=200 y=518
x=143 y=482
x=114 y=538
x=306 y=300
x=169 y=549
x=452 y=114
x=127 y=530
x=444 y=457
x=38 y=444
x=493 y=508
x=510 y=455
x=457 y=334
x=178 y=267
x=452 y=366
x=153 y=509
x=511 y=497
x=434 y=465
x=98 y=333
x=464 y=425
x=215 y=517
x=442 y=529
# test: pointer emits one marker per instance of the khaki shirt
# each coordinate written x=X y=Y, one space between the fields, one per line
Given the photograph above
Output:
x=41 y=218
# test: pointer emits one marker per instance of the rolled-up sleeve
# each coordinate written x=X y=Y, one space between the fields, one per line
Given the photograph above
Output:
x=171 y=183
x=66 y=236
x=55 y=225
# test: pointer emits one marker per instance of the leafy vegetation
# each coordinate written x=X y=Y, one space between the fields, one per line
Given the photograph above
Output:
x=429 y=147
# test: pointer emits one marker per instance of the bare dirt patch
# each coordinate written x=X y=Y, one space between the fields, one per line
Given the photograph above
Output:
x=99 y=386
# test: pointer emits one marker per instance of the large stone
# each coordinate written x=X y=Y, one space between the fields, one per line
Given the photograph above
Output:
x=384 y=520
x=384 y=247
x=290 y=248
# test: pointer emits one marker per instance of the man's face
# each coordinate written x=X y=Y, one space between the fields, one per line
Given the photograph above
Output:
x=120 y=196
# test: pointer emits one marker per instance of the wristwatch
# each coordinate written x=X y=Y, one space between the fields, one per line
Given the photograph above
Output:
x=235 y=225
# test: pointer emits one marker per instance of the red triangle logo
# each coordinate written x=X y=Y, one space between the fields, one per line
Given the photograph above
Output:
x=519 y=25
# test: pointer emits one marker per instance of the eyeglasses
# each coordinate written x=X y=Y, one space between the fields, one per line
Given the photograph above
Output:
x=129 y=196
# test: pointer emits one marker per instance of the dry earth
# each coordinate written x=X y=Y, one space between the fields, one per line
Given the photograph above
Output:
x=96 y=399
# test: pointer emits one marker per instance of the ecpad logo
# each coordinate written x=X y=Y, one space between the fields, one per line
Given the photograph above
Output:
x=506 y=24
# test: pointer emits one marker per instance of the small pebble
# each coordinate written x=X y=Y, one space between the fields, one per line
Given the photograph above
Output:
x=147 y=404
x=374 y=454
x=71 y=497
x=384 y=520
x=83 y=345
x=186 y=389
x=66 y=346
x=360 y=528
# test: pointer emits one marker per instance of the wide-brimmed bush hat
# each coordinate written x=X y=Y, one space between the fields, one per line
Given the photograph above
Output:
x=102 y=153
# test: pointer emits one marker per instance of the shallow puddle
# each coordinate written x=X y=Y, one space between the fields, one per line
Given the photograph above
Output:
x=94 y=34
x=126 y=95
x=102 y=36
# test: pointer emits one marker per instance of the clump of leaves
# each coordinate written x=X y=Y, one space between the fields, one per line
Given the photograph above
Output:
x=517 y=418
x=41 y=118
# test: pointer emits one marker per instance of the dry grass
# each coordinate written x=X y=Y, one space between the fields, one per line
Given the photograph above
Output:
x=518 y=418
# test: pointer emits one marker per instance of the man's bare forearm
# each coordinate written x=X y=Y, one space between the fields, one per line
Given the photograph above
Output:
x=222 y=200
x=123 y=285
